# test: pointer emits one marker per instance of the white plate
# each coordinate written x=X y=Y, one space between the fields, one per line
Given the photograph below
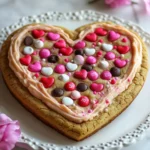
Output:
x=124 y=130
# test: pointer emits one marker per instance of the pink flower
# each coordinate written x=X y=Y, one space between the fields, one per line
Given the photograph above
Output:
x=147 y=6
x=9 y=132
x=117 y=3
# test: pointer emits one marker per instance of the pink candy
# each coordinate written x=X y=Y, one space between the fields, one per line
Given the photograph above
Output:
x=79 y=45
x=44 y=53
x=110 y=56
x=120 y=63
x=106 y=75
x=53 y=36
x=35 y=67
x=60 y=68
x=91 y=60
x=97 y=87
x=92 y=75
x=112 y=36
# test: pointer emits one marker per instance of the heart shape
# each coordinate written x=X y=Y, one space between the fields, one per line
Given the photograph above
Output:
x=35 y=67
x=91 y=66
x=112 y=36
x=123 y=49
x=100 y=31
x=107 y=47
x=25 y=60
x=38 y=33
x=53 y=36
x=47 y=82
x=89 y=101
x=47 y=71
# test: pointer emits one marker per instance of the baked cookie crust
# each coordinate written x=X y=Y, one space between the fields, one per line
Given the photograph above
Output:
x=73 y=130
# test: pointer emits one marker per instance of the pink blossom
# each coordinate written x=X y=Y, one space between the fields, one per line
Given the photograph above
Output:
x=147 y=6
x=117 y=3
x=9 y=132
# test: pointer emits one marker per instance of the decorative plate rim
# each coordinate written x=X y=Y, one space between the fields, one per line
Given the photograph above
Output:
x=28 y=142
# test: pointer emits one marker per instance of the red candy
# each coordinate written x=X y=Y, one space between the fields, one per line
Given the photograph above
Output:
x=110 y=56
x=106 y=75
x=124 y=40
x=38 y=33
x=120 y=63
x=99 y=53
x=81 y=74
x=60 y=44
x=83 y=101
x=123 y=49
x=47 y=82
x=66 y=51
x=91 y=37
x=113 y=81
x=100 y=31
x=97 y=87
x=70 y=86
x=25 y=60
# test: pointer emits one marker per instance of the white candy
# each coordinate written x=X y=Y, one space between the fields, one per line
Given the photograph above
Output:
x=64 y=77
x=67 y=101
x=28 y=50
x=38 y=43
x=47 y=71
x=71 y=66
x=107 y=47
x=89 y=51
x=75 y=95
x=78 y=59
x=104 y=64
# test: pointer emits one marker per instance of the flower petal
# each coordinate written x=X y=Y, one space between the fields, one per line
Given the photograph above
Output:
x=4 y=119
x=2 y=131
x=6 y=146
x=147 y=6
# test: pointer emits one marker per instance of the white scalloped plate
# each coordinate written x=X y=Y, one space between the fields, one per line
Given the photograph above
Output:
x=126 y=129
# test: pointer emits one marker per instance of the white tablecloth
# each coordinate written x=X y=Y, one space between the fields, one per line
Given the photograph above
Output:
x=12 y=10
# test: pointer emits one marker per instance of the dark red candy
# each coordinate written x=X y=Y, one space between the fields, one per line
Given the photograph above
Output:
x=25 y=60
x=66 y=51
x=47 y=81
x=38 y=33
x=70 y=86
x=82 y=74
x=100 y=31
x=83 y=101
x=123 y=49
x=60 y=44
x=91 y=37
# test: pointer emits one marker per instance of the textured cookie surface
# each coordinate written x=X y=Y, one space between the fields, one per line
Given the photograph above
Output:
x=73 y=130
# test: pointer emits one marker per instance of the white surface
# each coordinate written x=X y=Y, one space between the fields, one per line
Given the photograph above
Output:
x=12 y=10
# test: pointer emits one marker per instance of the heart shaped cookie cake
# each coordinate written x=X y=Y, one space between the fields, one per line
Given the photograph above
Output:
x=76 y=81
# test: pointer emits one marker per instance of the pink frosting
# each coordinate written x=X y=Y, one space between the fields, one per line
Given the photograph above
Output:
x=9 y=132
